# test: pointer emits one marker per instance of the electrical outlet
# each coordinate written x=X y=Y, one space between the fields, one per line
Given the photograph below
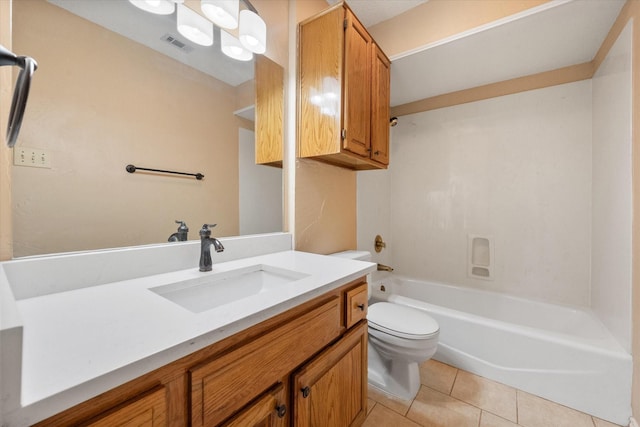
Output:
x=32 y=157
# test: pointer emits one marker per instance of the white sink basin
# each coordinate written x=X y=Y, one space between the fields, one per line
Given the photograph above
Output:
x=214 y=290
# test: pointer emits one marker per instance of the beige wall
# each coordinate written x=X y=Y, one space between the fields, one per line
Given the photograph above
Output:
x=325 y=205
x=101 y=110
x=438 y=19
x=6 y=238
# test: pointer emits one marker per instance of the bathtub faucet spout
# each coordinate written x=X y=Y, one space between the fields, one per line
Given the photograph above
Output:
x=382 y=267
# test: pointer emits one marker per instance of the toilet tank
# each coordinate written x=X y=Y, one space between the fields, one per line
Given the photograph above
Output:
x=359 y=256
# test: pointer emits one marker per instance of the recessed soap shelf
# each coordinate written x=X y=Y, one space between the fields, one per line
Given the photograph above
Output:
x=480 y=253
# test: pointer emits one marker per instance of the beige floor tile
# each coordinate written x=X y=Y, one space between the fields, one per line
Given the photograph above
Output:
x=396 y=404
x=434 y=409
x=602 y=423
x=370 y=404
x=487 y=419
x=534 y=411
x=381 y=416
x=486 y=394
x=438 y=376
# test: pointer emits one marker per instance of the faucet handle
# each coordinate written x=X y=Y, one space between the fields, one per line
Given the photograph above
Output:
x=183 y=225
x=204 y=231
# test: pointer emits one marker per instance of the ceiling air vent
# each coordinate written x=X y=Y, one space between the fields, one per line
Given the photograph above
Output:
x=176 y=43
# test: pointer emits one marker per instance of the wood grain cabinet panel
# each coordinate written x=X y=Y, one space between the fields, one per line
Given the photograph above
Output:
x=356 y=305
x=331 y=391
x=269 y=126
x=380 y=107
x=223 y=386
x=270 y=410
x=343 y=102
x=148 y=410
x=357 y=88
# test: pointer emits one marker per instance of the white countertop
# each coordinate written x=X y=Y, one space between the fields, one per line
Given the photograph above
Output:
x=80 y=343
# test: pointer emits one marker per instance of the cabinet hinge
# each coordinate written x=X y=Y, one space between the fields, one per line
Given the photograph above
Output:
x=344 y=134
x=345 y=23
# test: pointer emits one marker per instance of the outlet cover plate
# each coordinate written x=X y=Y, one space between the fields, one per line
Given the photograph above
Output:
x=31 y=157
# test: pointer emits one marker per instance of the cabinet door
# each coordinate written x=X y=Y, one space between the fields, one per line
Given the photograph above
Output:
x=149 y=410
x=331 y=391
x=380 y=108
x=222 y=386
x=320 y=56
x=270 y=410
x=357 y=87
x=269 y=115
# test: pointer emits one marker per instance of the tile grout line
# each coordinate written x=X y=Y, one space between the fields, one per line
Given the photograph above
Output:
x=454 y=381
x=517 y=408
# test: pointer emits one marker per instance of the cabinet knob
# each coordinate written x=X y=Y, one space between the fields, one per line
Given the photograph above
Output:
x=376 y=152
x=281 y=410
x=360 y=306
x=305 y=392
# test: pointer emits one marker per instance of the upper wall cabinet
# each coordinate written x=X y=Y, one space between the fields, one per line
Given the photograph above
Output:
x=343 y=103
x=269 y=111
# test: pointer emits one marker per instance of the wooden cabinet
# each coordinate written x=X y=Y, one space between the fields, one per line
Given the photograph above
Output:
x=343 y=103
x=269 y=126
x=227 y=383
x=331 y=390
x=255 y=377
x=270 y=410
x=380 y=107
x=148 y=410
x=356 y=305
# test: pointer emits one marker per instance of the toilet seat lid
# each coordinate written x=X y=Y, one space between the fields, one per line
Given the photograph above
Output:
x=401 y=320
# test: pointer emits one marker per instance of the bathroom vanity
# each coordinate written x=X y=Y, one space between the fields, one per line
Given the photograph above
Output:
x=146 y=351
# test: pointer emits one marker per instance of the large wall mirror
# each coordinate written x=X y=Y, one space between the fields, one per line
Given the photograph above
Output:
x=106 y=96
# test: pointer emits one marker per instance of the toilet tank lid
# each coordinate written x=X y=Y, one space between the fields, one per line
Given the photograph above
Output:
x=401 y=320
x=358 y=255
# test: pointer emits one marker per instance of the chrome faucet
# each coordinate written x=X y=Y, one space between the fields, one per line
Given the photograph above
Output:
x=205 y=247
x=181 y=234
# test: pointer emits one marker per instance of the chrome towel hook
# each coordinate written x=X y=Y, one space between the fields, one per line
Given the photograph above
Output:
x=21 y=93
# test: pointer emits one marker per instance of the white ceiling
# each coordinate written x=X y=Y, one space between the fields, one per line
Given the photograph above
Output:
x=555 y=35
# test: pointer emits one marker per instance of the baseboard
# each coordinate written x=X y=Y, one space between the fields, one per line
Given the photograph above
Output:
x=633 y=422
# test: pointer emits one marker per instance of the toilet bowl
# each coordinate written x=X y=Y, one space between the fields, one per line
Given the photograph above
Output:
x=400 y=338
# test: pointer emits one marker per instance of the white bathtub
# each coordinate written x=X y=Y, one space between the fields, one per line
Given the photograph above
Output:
x=557 y=352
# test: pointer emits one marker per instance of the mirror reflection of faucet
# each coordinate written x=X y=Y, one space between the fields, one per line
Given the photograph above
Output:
x=181 y=234
x=205 y=247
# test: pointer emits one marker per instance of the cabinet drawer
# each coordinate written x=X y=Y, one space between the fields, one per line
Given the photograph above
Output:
x=221 y=387
x=148 y=410
x=356 y=305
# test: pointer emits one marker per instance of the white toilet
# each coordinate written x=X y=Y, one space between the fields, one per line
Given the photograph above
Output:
x=400 y=338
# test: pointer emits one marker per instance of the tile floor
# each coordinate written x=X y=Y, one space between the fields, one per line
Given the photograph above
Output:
x=450 y=397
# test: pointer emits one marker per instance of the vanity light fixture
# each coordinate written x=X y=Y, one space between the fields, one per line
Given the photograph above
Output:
x=159 y=7
x=194 y=26
x=232 y=47
x=253 y=31
x=223 y=13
